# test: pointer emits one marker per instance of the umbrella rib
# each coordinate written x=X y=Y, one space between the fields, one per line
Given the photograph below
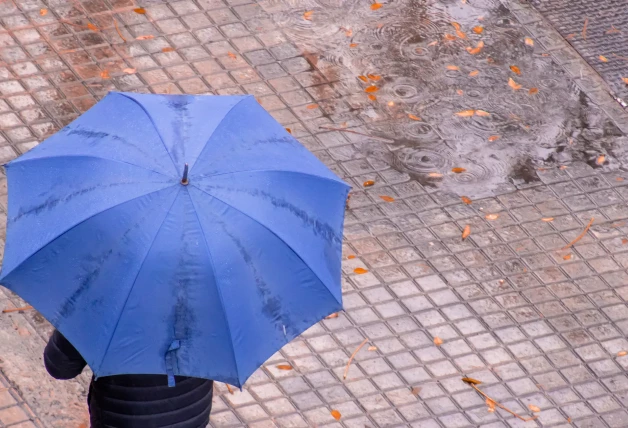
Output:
x=152 y=121
x=4 y=275
x=275 y=234
x=272 y=170
x=88 y=157
x=135 y=279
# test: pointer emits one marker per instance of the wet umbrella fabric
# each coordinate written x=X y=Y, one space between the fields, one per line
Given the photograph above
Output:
x=145 y=274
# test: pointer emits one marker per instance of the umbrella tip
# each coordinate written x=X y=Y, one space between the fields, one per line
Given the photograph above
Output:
x=185 y=180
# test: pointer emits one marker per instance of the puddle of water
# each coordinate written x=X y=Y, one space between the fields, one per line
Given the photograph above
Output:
x=420 y=49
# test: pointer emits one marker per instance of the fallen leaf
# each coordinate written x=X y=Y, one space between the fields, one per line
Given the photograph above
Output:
x=130 y=70
x=289 y=130
x=515 y=70
x=370 y=89
x=514 y=85
x=308 y=15
x=413 y=117
x=533 y=91
x=435 y=175
x=332 y=316
x=105 y=74
x=360 y=271
x=584 y=28
x=391 y=103
x=624 y=241
x=493 y=138
x=491 y=216
x=376 y=6
x=568 y=420
x=363 y=78
x=387 y=198
x=613 y=30
x=466 y=113
x=460 y=92
x=353 y=45
x=232 y=55
x=533 y=408
x=547 y=219
x=567 y=257
x=336 y=414
x=434 y=43
x=372 y=97
x=474 y=73
x=145 y=37
x=374 y=77
x=478 y=30
x=312 y=106
x=168 y=49
x=140 y=10
x=456 y=26
x=368 y=183
x=491 y=405
x=482 y=113
x=476 y=50
x=625 y=80
x=622 y=353
x=529 y=41
x=351 y=256
x=458 y=170
x=438 y=341
x=466 y=232
x=466 y=200
x=92 y=27
x=603 y=58
x=284 y=367
x=461 y=34
x=453 y=68
x=619 y=179
x=449 y=37
x=349 y=33
x=600 y=159
x=43 y=12
x=372 y=348
x=471 y=381
x=415 y=391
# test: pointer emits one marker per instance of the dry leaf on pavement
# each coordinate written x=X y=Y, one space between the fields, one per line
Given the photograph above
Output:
x=360 y=271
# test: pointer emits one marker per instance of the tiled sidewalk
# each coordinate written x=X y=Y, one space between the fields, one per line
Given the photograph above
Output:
x=536 y=323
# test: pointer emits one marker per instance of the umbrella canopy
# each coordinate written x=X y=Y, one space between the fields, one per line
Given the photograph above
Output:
x=150 y=267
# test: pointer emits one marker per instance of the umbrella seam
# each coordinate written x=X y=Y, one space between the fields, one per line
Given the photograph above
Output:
x=222 y=300
x=89 y=157
x=274 y=170
x=278 y=237
x=152 y=121
x=135 y=279
x=3 y=275
x=192 y=164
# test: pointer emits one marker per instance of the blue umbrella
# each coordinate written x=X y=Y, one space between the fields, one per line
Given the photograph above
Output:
x=179 y=235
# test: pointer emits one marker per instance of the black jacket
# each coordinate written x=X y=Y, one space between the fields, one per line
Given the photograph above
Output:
x=134 y=401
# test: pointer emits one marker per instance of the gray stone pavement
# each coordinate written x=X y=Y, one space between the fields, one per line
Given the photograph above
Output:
x=539 y=324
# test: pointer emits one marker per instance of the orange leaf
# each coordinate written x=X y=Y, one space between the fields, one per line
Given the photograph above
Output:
x=453 y=67
x=622 y=353
x=391 y=103
x=372 y=348
x=368 y=183
x=533 y=91
x=363 y=78
x=435 y=174
x=371 y=89
x=372 y=97
x=284 y=367
x=332 y=316
x=466 y=200
x=624 y=241
x=376 y=6
x=349 y=33
x=413 y=117
x=474 y=73
x=308 y=15
x=533 y=408
x=438 y=341
x=482 y=113
x=168 y=49
x=529 y=41
x=449 y=37
x=146 y=37
x=600 y=159
x=92 y=27
x=460 y=92
x=471 y=381
x=478 y=30
x=493 y=138
x=360 y=271
x=514 y=85
x=515 y=70
x=458 y=170
x=603 y=58
x=567 y=257
x=232 y=55
x=466 y=113
x=312 y=106
x=434 y=43
x=43 y=12
x=374 y=77
x=140 y=10
x=415 y=391
x=351 y=257
x=491 y=216
x=289 y=130
x=105 y=74
x=456 y=26
x=625 y=80
x=387 y=198
x=466 y=232
x=353 y=45
x=130 y=70
x=547 y=219
x=461 y=34
x=336 y=414
x=476 y=50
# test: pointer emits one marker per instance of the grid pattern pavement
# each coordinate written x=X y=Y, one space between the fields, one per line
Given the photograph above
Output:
x=535 y=323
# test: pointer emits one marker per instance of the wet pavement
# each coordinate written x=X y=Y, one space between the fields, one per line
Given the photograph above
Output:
x=478 y=98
